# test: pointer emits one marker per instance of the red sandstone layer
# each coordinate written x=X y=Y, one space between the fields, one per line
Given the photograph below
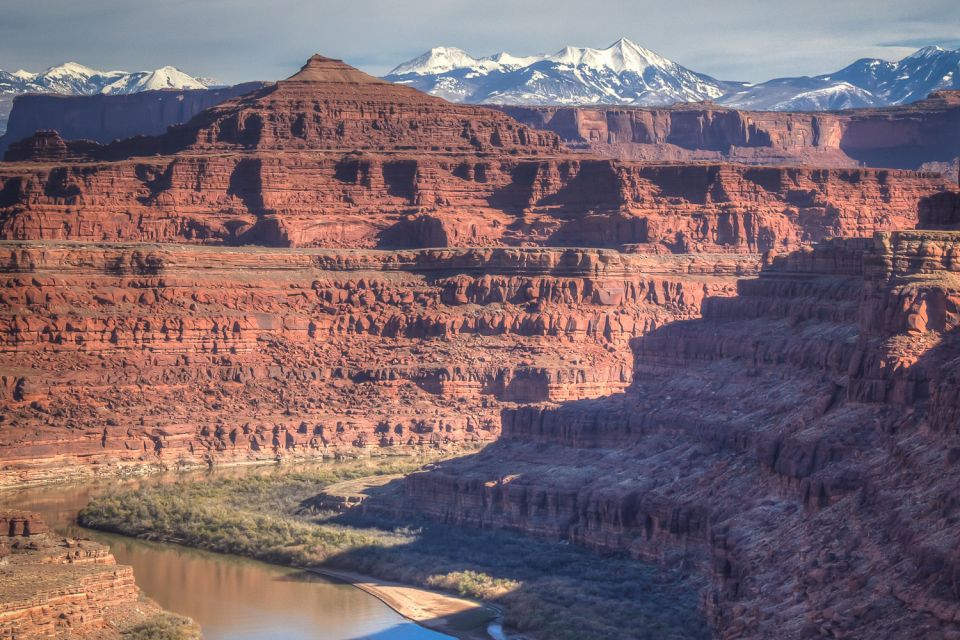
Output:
x=334 y=158
x=311 y=199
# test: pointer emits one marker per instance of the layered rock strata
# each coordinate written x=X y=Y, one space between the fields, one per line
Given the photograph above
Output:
x=922 y=134
x=53 y=587
x=310 y=199
x=905 y=137
x=165 y=354
x=798 y=445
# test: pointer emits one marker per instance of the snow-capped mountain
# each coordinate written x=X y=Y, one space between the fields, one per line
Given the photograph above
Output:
x=801 y=94
x=623 y=73
x=72 y=78
x=162 y=78
x=912 y=78
x=868 y=82
x=626 y=73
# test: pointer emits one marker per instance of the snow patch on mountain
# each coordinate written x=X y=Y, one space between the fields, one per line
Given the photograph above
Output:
x=623 y=55
x=163 y=78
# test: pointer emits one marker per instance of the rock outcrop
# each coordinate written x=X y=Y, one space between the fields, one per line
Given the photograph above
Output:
x=54 y=587
x=905 y=137
x=378 y=201
x=915 y=136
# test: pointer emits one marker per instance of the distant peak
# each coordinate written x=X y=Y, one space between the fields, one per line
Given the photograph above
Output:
x=622 y=55
x=436 y=60
x=925 y=52
x=441 y=49
x=625 y=43
x=71 y=66
x=323 y=69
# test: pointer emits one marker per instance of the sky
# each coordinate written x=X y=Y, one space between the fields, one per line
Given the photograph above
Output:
x=238 y=40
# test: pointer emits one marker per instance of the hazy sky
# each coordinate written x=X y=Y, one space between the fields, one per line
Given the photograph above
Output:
x=235 y=40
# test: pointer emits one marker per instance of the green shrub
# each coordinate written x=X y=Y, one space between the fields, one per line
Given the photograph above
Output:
x=473 y=584
x=164 y=626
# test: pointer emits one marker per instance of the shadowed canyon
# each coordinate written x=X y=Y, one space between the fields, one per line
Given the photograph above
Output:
x=703 y=338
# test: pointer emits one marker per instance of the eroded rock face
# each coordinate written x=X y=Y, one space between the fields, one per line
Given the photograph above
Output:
x=425 y=200
x=905 y=137
x=21 y=523
x=796 y=443
x=790 y=435
x=149 y=354
x=53 y=587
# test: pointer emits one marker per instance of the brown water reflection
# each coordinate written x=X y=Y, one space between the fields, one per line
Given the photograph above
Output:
x=232 y=598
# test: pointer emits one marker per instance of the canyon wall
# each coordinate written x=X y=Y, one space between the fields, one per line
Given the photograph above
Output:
x=924 y=133
x=904 y=137
x=105 y=118
x=176 y=355
x=333 y=265
x=797 y=445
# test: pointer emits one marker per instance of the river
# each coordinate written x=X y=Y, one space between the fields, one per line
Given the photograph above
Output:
x=232 y=598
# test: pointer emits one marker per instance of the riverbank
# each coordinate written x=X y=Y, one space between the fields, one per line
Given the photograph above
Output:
x=16 y=475
x=458 y=617
x=545 y=589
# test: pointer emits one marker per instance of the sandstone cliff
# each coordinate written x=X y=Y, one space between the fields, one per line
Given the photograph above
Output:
x=150 y=354
x=924 y=133
x=422 y=200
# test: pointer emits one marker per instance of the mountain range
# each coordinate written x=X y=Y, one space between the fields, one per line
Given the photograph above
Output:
x=72 y=78
x=626 y=73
